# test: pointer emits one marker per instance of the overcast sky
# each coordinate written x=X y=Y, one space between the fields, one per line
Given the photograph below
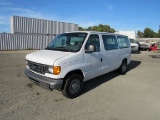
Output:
x=119 y=14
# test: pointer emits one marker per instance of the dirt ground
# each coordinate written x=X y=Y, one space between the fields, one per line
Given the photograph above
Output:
x=134 y=96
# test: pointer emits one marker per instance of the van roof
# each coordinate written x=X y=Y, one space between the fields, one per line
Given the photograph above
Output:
x=103 y=33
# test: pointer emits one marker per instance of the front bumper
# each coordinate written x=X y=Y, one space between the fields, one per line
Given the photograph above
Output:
x=45 y=82
x=144 y=47
x=134 y=49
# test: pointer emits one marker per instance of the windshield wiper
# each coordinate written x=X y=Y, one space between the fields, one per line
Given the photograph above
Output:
x=58 y=48
x=63 y=48
x=47 y=48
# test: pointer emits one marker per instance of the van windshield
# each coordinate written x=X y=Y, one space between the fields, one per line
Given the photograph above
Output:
x=68 y=42
x=132 y=41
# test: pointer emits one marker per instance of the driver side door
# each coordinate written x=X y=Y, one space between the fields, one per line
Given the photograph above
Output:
x=93 y=60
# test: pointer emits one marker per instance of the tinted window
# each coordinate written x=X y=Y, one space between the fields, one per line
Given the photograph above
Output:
x=123 y=42
x=71 y=42
x=110 y=42
x=132 y=41
x=93 y=40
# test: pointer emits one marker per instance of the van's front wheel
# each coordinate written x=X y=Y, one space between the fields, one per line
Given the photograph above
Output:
x=73 y=86
x=123 y=68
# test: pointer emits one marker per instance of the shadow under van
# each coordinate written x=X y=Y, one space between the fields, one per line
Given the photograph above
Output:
x=92 y=84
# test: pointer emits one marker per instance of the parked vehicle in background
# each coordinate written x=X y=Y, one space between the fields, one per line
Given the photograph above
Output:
x=144 y=45
x=152 y=42
x=158 y=46
x=134 y=46
x=139 y=45
x=75 y=57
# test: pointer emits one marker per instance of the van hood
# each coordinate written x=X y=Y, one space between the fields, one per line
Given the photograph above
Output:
x=47 y=57
x=134 y=44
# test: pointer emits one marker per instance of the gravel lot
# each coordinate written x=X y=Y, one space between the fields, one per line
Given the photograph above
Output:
x=134 y=96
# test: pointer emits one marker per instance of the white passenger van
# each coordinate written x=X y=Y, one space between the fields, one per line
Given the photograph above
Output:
x=75 y=57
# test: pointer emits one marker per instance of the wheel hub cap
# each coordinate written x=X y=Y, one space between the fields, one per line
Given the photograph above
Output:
x=75 y=86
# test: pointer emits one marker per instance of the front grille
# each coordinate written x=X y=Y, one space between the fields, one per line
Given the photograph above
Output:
x=36 y=67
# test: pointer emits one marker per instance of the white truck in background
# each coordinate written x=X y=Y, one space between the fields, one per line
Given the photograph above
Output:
x=134 y=46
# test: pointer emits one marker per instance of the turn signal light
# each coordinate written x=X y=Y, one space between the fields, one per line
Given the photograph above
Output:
x=56 y=70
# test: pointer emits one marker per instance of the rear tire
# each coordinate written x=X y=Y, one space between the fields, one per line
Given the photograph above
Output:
x=123 y=68
x=73 y=86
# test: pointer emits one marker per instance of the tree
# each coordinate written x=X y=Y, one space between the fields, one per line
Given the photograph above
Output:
x=89 y=28
x=106 y=28
x=158 y=34
x=80 y=29
x=100 y=28
x=112 y=30
x=139 y=34
x=148 y=33
x=94 y=28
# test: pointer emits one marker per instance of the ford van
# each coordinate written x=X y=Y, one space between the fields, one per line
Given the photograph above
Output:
x=75 y=57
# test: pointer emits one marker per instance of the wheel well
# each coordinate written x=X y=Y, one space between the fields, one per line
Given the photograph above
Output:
x=79 y=72
x=125 y=59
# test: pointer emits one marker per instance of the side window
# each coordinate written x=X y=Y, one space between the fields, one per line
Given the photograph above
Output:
x=110 y=42
x=123 y=42
x=93 y=40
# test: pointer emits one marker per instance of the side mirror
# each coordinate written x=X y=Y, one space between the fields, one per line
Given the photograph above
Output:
x=90 y=49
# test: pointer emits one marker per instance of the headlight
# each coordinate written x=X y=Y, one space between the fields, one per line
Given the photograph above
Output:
x=26 y=63
x=54 y=69
x=50 y=69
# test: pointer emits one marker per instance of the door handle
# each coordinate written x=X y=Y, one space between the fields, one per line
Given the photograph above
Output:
x=101 y=59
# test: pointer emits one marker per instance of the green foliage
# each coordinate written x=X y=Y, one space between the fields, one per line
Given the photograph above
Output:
x=99 y=28
x=89 y=28
x=140 y=34
x=148 y=33
x=81 y=29
x=112 y=30
x=94 y=28
x=157 y=35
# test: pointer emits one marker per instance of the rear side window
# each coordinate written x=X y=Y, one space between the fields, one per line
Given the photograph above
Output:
x=123 y=42
x=110 y=42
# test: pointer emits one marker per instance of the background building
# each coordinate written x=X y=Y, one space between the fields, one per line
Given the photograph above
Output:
x=39 y=26
x=130 y=34
x=32 y=33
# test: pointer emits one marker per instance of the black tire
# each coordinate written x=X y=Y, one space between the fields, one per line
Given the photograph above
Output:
x=73 y=86
x=123 y=68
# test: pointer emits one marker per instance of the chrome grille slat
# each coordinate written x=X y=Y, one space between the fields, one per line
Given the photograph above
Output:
x=36 y=67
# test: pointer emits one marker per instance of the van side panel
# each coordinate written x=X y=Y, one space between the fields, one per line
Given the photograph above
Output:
x=124 y=49
x=110 y=53
x=69 y=63
x=122 y=54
